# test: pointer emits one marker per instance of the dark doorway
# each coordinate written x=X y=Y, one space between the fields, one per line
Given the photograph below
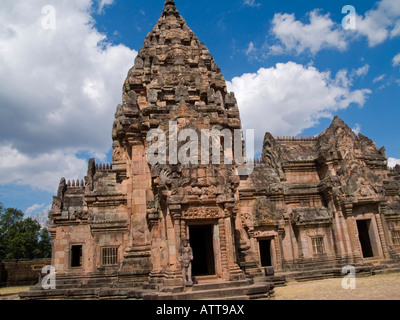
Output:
x=265 y=252
x=201 y=241
x=363 y=234
x=76 y=256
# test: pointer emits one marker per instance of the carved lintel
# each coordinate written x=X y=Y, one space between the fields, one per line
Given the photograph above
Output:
x=265 y=234
x=203 y=213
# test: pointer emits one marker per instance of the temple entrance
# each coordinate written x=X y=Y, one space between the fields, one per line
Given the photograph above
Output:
x=201 y=241
x=265 y=252
x=364 y=237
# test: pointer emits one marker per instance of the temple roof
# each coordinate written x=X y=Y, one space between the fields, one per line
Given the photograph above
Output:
x=173 y=57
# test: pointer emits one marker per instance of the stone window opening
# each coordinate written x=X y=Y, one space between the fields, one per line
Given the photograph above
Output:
x=396 y=237
x=109 y=256
x=318 y=245
x=76 y=256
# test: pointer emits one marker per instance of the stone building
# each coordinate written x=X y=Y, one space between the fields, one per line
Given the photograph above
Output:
x=311 y=205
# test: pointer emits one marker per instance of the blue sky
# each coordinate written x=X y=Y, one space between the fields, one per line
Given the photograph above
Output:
x=290 y=63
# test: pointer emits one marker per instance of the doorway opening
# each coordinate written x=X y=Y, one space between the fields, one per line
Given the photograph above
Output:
x=76 y=256
x=265 y=252
x=364 y=237
x=201 y=241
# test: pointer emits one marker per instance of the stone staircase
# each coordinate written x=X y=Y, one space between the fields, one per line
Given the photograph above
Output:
x=332 y=269
x=81 y=289
x=220 y=290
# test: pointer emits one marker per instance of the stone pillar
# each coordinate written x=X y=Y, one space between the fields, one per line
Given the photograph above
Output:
x=176 y=214
x=234 y=272
x=279 y=249
x=350 y=233
x=381 y=232
x=155 y=250
x=338 y=238
x=224 y=257
x=137 y=258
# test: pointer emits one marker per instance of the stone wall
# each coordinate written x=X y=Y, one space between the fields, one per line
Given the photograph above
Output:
x=24 y=272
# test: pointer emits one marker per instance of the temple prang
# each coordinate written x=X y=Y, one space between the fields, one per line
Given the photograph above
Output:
x=311 y=206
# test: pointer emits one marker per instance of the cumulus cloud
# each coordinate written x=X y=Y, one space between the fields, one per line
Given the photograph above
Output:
x=43 y=171
x=320 y=32
x=380 y=23
x=297 y=37
x=289 y=98
x=58 y=91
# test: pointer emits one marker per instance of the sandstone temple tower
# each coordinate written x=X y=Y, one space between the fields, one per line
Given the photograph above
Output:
x=311 y=206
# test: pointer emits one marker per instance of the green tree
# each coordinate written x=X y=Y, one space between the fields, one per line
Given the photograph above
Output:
x=22 y=238
x=44 y=247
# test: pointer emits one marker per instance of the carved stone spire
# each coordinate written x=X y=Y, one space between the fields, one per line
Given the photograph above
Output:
x=171 y=69
x=170 y=9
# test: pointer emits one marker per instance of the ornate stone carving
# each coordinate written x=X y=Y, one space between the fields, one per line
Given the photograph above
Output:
x=202 y=213
x=185 y=258
x=265 y=212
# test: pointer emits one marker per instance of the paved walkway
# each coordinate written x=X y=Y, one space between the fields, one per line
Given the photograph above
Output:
x=379 y=287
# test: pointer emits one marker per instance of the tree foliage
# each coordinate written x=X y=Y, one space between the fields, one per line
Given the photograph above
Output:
x=22 y=238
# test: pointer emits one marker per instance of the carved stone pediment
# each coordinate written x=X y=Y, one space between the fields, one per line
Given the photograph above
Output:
x=304 y=216
x=265 y=212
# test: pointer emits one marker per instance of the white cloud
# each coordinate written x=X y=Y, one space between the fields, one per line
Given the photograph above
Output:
x=298 y=37
x=59 y=90
x=38 y=212
x=379 y=78
x=34 y=209
x=362 y=71
x=103 y=4
x=396 y=60
x=251 y=3
x=380 y=23
x=43 y=171
x=392 y=162
x=295 y=36
x=251 y=49
x=289 y=98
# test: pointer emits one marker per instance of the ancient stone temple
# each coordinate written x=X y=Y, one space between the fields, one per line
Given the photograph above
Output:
x=310 y=207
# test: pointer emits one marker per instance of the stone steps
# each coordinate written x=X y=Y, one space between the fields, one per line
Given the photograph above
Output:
x=368 y=268
x=253 y=291
x=242 y=289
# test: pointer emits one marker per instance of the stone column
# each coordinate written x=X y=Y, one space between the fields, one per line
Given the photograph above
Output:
x=279 y=249
x=224 y=257
x=381 y=232
x=235 y=273
x=176 y=214
x=155 y=250
x=350 y=232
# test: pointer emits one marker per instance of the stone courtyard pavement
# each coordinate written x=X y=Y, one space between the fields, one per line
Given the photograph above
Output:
x=378 y=287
